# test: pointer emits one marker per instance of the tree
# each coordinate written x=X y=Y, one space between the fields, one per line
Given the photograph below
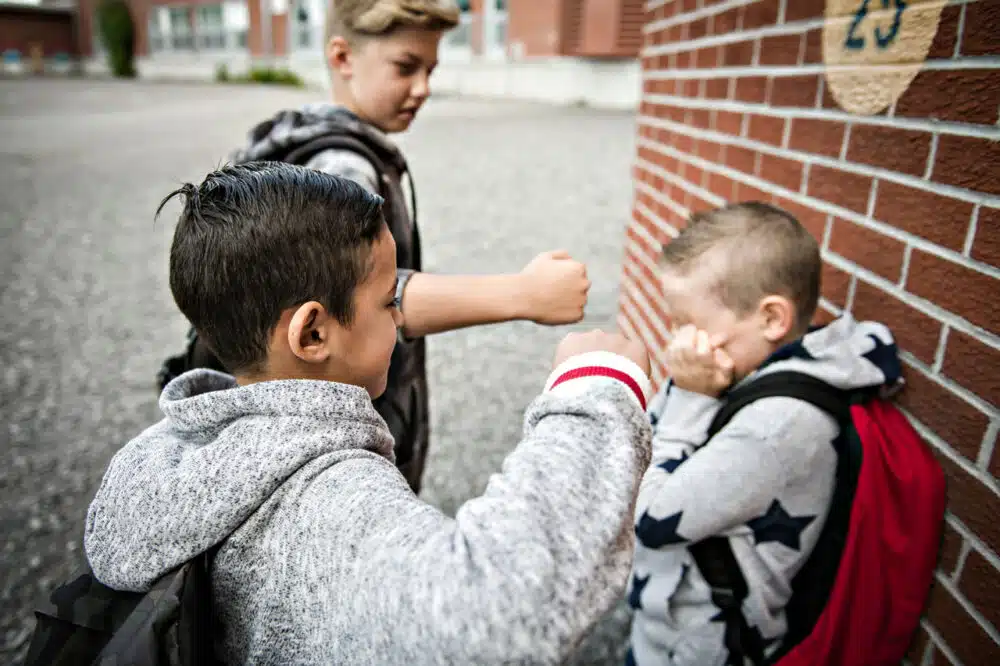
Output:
x=117 y=31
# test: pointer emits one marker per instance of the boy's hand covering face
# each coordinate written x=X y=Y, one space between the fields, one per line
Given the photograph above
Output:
x=554 y=288
x=697 y=363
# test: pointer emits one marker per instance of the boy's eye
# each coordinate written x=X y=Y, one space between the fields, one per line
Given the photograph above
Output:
x=406 y=68
x=396 y=303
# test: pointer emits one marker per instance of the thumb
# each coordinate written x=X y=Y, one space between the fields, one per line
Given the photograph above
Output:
x=557 y=254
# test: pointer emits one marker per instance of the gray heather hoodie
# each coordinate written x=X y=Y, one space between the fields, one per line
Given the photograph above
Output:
x=765 y=481
x=329 y=558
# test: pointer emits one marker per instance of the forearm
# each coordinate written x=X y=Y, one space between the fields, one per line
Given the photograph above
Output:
x=439 y=303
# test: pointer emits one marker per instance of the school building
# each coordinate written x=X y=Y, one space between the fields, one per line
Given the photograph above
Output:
x=563 y=51
x=876 y=123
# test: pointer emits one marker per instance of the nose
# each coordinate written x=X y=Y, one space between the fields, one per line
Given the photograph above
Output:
x=421 y=85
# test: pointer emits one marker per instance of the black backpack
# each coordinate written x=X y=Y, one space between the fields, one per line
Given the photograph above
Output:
x=84 y=622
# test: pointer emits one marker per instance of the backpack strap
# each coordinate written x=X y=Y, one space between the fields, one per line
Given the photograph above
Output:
x=305 y=152
x=714 y=556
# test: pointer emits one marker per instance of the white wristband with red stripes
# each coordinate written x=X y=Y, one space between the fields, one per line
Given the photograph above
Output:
x=576 y=374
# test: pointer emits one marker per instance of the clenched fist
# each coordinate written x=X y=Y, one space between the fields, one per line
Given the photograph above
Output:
x=698 y=363
x=553 y=289
x=575 y=344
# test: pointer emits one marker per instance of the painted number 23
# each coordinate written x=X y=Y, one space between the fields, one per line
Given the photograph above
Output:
x=855 y=34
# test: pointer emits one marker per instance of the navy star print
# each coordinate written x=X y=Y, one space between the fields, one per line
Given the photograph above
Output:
x=635 y=596
x=670 y=465
x=777 y=525
x=655 y=533
x=885 y=358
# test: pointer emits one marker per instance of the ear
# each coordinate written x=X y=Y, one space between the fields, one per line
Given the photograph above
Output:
x=339 y=57
x=777 y=315
x=309 y=333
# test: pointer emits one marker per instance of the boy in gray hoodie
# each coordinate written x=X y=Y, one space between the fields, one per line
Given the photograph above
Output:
x=325 y=554
x=741 y=285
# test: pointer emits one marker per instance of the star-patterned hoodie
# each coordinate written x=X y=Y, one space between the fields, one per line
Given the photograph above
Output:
x=765 y=481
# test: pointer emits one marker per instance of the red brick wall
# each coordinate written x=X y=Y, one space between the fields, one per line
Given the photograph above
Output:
x=896 y=170
x=23 y=27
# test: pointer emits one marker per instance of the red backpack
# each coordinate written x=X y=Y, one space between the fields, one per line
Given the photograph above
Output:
x=859 y=596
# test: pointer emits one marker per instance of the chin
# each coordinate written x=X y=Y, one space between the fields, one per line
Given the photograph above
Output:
x=377 y=390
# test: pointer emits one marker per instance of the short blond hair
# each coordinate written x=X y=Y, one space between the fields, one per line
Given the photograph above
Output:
x=358 y=19
x=752 y=250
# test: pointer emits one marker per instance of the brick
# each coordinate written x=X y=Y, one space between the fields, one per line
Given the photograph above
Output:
x=708 y=57
x=973 y=365
x=961 y=96
x=820 y=137
x=968 y=162
x=868 y=248
x=752 y=89
x=986 y=244
x=803 y=10
x=780 y=50
x=963 y=635
x=943 y=45
x=813 y=220
x=835 y=283
x=697 y=28
x=726 y=22
x=813 y=52
x=728 y=122
x=995 y=459
x=822 y=317
x=699 y=118
x=972 y=502
x=982 y=23
x=720 y=185
x=740 y=158
x=684 y=59
x=951 y=547
x=938 y=280
x=717 y=88
x=768 y=129
x=905 y=151
x=760 y=14
x=780 y=171
x=842 y=188
x=738 y=54
x=980 y=584
x=937 y=218
x=914 y=331
x=797 y=91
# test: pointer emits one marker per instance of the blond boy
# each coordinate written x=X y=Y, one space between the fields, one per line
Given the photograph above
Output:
x=741 y=284
x=381 y=54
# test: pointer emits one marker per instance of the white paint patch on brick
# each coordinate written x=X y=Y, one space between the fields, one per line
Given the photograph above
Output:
x=873 y=172
x=846 y=142
x=852 y=289
x=932 y=156
x=970 y=235
x=904 y=273
x=960 y=34
x=989 y=444
x=940 y=351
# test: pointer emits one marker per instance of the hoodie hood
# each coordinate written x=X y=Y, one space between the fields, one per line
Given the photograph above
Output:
x=845 y=353
x=186 y=483
x=289 y=130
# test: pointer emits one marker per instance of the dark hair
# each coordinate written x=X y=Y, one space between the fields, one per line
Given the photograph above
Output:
x=760 y=250
x=255 y=239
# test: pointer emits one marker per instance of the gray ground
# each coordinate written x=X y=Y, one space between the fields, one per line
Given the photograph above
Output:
x=87 y=315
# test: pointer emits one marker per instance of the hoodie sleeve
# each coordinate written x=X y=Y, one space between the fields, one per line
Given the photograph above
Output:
x=346 y=164
x=523 y=571
x=693 y=491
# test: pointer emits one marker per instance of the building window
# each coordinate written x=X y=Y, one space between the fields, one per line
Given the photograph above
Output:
x=209 y=27
x=181 y=34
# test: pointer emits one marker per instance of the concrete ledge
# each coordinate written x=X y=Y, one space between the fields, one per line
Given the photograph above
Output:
x=613 y=84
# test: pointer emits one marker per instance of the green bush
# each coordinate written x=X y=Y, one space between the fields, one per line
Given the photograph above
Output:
x=269 y=75
x=114 y=21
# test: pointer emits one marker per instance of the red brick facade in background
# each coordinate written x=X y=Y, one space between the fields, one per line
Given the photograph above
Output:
x=738 y=104
x=52 y=31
